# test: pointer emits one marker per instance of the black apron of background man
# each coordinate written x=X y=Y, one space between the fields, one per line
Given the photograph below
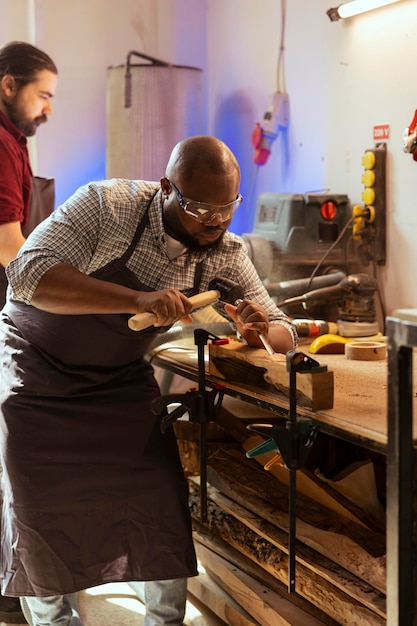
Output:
x=93 y=490
x=42 y=203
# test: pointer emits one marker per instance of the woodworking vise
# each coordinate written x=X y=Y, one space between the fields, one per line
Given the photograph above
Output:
x=202 y=406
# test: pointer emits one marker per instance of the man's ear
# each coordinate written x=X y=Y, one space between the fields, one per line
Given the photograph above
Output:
x=8 y=85
x=165 y=186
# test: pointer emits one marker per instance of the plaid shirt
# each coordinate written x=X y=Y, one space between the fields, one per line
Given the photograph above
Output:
x=96 y=226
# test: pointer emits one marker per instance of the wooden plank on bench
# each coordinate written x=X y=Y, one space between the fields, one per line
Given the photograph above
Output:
x=255 y=368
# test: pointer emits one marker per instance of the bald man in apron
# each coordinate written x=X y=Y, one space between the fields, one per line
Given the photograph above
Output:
x=93 y=491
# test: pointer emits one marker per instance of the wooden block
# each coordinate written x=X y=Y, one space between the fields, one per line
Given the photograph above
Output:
x=255 y=368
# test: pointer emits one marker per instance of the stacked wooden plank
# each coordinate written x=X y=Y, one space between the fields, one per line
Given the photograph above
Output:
x=243 y=546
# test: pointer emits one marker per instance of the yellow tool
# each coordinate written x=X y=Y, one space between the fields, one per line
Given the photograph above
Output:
x=329 y=344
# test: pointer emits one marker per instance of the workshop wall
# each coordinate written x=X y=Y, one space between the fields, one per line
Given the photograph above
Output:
x=342 y=79
x=85 y=37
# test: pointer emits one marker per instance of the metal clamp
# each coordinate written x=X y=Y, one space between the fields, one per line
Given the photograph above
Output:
x=202 y=405
x=293 y=442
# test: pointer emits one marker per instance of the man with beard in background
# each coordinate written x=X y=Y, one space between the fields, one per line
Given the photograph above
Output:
x=28 y=79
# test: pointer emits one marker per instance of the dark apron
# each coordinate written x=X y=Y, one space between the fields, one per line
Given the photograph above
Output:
x=93 y=492
x=42 y=203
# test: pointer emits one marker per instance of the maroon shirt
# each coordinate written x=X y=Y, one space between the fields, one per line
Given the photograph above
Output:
x=15 y=174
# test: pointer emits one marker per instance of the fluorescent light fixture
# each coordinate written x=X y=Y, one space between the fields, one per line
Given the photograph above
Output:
x=348 y=9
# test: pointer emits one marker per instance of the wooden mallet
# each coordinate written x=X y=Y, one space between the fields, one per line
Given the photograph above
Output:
x=219 y=289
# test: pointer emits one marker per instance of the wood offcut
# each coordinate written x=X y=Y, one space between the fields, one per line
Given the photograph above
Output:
x=255 y=368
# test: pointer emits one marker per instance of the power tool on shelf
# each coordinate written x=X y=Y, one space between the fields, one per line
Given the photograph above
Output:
x=353 y=295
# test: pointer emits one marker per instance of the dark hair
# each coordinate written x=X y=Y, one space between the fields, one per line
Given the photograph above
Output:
x=23 y=61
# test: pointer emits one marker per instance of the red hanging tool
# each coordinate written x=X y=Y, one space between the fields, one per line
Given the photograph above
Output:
x=410 y=137
x=275 y=119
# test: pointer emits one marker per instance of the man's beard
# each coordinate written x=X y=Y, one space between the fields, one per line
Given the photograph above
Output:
x=197 y=247
x=27 y=127
x=190 y=241
x=192 y=244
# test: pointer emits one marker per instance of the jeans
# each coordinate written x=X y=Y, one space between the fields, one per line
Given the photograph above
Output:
x=165 y=602
x=51 y=611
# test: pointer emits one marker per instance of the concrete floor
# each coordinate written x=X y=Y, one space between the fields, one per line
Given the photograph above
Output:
x=116 y=604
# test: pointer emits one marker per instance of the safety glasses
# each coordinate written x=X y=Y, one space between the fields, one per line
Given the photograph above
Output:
x=204 y=212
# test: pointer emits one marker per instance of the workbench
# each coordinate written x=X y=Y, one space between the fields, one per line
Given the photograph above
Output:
x=363 y=391
x=359 y=414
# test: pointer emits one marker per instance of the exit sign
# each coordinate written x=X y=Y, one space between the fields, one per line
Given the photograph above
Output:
x=381 y=132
